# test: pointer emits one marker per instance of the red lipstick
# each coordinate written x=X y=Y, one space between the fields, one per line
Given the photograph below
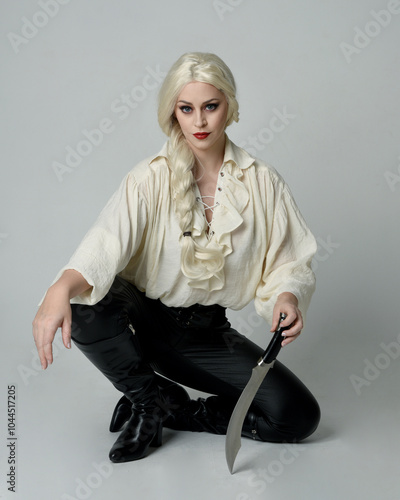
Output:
x=201 y=135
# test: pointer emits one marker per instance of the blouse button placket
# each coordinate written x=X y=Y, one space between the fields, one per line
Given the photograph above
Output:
x=220 y=183
x=219 y=186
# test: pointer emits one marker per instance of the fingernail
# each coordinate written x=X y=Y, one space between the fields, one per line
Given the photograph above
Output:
x=69 y=345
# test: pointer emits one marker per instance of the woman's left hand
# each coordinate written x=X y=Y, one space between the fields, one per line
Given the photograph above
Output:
x=287 y=303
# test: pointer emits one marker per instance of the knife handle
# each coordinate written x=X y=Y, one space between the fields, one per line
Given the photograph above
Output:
x=271 y=352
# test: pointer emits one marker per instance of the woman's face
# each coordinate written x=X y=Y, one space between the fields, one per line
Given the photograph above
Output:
x=201 y=110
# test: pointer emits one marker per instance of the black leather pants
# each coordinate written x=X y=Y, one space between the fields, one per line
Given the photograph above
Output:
x=197 y=347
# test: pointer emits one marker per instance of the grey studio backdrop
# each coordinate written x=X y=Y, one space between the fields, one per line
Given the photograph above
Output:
x=318 y=93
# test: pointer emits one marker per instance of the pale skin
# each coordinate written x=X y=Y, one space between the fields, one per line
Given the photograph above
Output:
x=200 y=107
x=55 y=312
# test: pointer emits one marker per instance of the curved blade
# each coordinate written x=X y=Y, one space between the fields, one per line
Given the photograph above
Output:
x=267 y=360
x=234 y=431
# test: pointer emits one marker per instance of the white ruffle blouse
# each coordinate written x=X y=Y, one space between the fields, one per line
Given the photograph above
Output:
x=266 y=243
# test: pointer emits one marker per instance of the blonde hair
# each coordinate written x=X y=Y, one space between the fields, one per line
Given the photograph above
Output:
x=196 y=262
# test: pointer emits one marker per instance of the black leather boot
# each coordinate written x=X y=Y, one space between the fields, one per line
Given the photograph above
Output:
x=122 y=413
x=213 y=415
x=205 y=415
x=143 y=429
x=120 y=360
x=172 y=397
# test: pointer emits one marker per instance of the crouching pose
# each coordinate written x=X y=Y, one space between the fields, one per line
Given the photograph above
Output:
x=198 y=228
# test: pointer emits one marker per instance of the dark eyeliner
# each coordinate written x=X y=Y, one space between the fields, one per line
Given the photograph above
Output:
x=214 y=104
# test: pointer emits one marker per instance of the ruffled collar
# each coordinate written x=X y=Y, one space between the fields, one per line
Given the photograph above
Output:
x=232 y=197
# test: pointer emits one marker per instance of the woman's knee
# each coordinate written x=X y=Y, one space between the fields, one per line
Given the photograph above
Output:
x=122 y=306
x=91 y=324
x=290 y=410
x=108 y=318
x=308 y=418
x=292 y=428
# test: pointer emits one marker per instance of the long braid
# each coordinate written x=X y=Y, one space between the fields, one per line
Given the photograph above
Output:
x=196 y=261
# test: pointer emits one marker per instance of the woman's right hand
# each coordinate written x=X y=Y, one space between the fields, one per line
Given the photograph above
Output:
x=54 y=313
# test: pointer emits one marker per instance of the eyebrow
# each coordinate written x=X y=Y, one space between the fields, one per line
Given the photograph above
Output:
x=205 y=102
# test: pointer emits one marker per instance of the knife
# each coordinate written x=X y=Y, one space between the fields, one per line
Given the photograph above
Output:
x=267 y=360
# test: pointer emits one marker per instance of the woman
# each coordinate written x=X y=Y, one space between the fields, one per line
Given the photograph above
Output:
x=198 y=228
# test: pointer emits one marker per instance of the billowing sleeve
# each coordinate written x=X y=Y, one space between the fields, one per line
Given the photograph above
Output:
x=290 y=249
x=111 y=242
